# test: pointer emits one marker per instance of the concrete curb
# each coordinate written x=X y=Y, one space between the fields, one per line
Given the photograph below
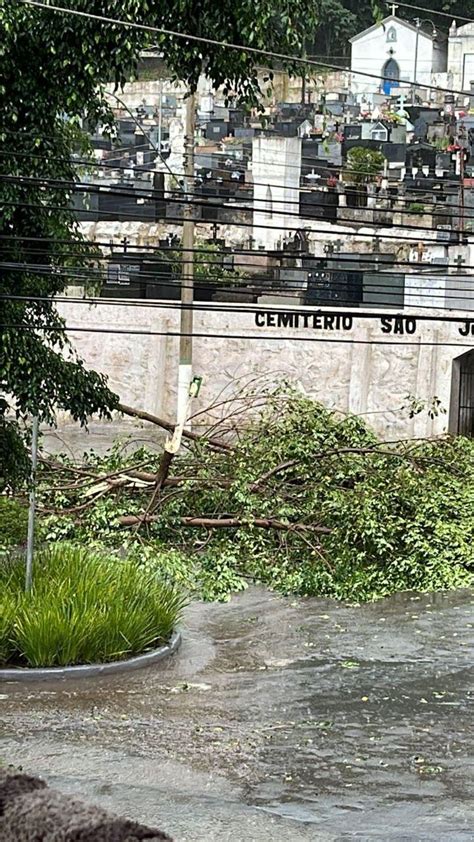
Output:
x=90 y=670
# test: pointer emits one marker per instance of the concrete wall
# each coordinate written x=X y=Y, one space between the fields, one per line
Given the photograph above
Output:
x=461 y=57
x=454 y=292
x=285 y=88
x=150 y=233
x=357 y=375
x=276 y=170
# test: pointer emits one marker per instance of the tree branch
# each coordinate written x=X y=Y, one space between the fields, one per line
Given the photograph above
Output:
x=167 y=425
x=229 y=523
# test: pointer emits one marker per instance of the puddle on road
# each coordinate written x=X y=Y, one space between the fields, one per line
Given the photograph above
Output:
x=278 y=719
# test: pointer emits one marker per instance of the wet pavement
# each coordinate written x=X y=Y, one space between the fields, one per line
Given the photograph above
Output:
x=279 y=719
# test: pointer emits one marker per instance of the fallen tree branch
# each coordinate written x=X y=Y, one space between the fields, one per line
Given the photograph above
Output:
x=167 y=425
x=228 y=523
x=274 y=471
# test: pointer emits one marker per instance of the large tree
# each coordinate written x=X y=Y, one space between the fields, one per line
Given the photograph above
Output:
x=53 y=67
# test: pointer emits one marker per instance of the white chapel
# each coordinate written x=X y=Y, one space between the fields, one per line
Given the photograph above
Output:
x=401 y=52
x=461 y=56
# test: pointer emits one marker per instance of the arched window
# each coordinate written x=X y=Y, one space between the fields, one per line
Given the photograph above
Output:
x=268 y=203
x=392 y=34
x=391 y=74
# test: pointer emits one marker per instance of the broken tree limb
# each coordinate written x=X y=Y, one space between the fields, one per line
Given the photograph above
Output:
x=284 y=466
x=167 y=425
x=229 y=523
x=161 y=477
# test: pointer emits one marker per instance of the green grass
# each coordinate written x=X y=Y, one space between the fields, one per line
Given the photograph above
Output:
x=84 y=608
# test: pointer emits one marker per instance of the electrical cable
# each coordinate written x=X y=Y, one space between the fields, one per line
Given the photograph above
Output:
x=228 y=336
x=307 y=227
x=352 y=189
x=235 y=251
x=152 y=193
x=270 y=286
x=210 y=200
x=226 y=44
x=239 y=250
x=326 y=169
x=432 y=12
x=290 y=300
x=204 y=198
x=229 y=308
x=373 y=267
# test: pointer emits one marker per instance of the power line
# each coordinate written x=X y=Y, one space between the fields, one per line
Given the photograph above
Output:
x=449 y=298
x=236 y=250
x=260 y=226
x=174 y=258
x=107 y=163
x=221 y=307
x=225 y=44
x=382 y=269
x=137 y=123
x=454 y=182
x=126 y=256
x=154 y=193
x=208 y=200
x=227 y=336
x=432 y=12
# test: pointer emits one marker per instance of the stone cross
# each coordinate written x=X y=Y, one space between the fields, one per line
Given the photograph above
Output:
x=394 y=8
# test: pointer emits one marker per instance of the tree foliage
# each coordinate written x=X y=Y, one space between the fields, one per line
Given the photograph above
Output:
x=336 y=24
x=53 y=67
x=209 y=265
x=318 y=505
x=364 y=165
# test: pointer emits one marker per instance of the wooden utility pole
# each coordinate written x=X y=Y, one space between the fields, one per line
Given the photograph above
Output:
x=187 y=387
x=187 y=278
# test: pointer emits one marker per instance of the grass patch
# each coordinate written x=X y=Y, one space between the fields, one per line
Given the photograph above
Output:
x=84 y=608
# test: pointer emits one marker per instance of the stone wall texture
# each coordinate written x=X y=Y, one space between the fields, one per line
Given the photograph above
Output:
x=349 y=370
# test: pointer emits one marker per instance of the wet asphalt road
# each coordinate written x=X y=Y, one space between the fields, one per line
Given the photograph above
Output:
x=279 y=719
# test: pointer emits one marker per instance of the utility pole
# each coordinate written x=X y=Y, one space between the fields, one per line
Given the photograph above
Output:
x=32 y=506
x=419 y=23
x=160 y=115
x=187 y=277
x=417 y=38
x=303 y=90
x=461 y=194
x=188 y=386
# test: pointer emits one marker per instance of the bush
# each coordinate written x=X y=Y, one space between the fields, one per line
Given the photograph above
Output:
x=399 y=516
x=13 y=523
x=416 y=207
x=84 y=608
x=364 y=165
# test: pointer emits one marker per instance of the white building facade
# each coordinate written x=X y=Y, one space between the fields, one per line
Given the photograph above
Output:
x=461 y=56
x=395 y=54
